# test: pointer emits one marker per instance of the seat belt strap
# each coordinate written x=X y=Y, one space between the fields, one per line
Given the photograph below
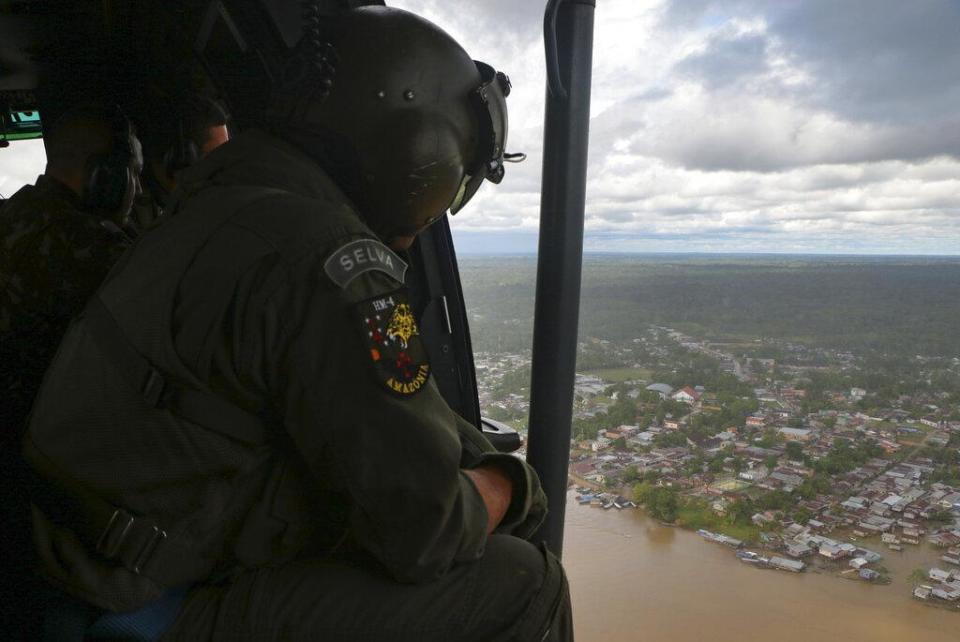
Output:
x=137 y=543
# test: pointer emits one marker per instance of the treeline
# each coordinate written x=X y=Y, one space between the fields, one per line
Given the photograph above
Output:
x=624 y=410
x=514 y=381
x=897 y=307
x=845 y=456
x=694 y=369
x=668 y=505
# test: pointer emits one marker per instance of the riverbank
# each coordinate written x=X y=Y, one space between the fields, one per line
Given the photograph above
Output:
x=632 y=579
x=870 y=561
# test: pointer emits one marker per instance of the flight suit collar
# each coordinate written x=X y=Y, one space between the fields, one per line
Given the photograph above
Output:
x=256 y=157
x=58 y=196
x=55 y=189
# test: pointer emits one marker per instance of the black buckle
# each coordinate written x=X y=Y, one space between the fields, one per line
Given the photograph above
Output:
x=152 y=390
x=156 y=536
x=118 y=531
x=109 y=544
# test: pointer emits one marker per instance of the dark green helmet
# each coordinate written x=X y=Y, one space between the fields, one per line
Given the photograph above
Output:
x=403 y=119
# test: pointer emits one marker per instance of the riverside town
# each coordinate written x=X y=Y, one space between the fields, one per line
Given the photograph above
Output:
x=799 y=459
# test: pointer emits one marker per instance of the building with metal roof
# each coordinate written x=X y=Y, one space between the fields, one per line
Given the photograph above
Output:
x=661 y=389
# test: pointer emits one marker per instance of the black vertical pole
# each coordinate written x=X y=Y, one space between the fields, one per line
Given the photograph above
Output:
x=569 y=43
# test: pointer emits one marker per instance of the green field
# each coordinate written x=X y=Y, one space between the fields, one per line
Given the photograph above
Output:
x=730 y=485
x=696 y=514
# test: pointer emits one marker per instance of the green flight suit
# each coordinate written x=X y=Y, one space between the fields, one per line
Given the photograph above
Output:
x=263 y=288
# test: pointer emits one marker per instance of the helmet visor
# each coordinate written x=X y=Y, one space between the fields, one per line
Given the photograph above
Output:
x=489 y=103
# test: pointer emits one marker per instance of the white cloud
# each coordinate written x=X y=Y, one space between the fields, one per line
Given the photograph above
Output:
x=748 y=126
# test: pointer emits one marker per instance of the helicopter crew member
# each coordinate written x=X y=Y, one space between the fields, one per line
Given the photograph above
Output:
x=59 y=239
x=267 y=429
x=176 y=131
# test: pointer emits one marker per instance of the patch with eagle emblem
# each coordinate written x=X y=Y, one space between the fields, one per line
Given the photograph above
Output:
x=391 y=335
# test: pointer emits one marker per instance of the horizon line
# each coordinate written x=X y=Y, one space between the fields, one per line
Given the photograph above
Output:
x=468 y=252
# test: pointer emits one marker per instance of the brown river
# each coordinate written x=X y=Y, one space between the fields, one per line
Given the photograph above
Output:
x=634 y=580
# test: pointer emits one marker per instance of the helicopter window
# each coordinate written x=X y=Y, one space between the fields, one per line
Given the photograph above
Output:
x=687 y=130
x=20 y=164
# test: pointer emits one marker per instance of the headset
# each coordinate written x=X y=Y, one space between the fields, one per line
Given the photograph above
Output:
x=196 y=114
x=108 y=178
x=182 y=154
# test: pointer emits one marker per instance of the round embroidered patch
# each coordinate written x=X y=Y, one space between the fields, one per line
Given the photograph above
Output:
x=393 y=342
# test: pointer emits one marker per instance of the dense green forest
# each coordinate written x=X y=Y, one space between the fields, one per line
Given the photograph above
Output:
x=894 y=306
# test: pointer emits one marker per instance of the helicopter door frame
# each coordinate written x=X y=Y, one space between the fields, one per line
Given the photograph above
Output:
x=568 y=37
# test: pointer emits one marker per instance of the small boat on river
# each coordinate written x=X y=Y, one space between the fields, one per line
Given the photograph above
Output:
x=719 y=538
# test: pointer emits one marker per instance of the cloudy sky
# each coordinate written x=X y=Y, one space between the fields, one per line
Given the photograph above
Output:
x=781 y=126
x=813 y=126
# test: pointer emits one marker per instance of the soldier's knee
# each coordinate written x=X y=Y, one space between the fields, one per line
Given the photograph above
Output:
x=521 y=565
x=531 y=585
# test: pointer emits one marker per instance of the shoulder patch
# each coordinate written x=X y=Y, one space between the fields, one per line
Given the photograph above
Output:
x=363 y=255
x=393 y=342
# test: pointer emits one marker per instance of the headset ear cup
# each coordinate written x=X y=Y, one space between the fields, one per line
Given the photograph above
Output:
x=108 y=176
x=90 y=181
x=181 y=155
x=94 y=186
x=108 y=180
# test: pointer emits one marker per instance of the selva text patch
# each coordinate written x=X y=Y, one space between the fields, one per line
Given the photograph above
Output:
x=364 y=255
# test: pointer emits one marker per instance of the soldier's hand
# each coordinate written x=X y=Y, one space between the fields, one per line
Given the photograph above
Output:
x=496 y=489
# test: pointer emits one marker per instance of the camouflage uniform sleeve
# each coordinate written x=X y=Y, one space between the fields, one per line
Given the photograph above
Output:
x=359 y=404
x=55 y=259
x=62 y=264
